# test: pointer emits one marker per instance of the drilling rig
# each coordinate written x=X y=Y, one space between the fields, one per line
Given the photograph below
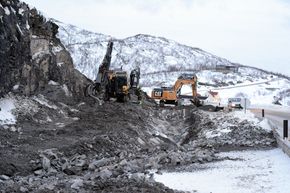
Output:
x=112 y=83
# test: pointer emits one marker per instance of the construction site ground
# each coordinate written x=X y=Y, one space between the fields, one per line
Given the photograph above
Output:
x=61 y=145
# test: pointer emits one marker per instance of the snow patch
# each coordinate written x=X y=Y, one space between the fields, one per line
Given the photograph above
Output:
x=247 y=172
x=16 y=87
x=7 y=11
x=265 y=125
x=51 y=82
x=66 y=90
x=56 y=49
x=43 y=101
x=59 y=64
x=245 y=116
x=21 y=11
x=6 y=108
x=249 y=116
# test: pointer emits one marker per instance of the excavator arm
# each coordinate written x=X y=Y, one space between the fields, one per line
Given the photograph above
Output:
x=102 y=77
x=99 y=85
x=186 y=80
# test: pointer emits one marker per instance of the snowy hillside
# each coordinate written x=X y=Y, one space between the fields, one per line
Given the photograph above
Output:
x=152 y=54
x=162 y=61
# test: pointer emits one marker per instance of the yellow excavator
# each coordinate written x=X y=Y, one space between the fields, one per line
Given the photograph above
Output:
x=113 y=83
x=172 y=95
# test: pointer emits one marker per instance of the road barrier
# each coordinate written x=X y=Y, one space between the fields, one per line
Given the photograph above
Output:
x=285 y=129
x=282 y=141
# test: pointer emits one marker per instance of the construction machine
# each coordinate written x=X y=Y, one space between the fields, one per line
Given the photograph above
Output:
x=112 y=83
x=117 y=86
x=172 y=95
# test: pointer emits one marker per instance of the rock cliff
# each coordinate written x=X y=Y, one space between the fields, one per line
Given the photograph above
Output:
x=31 y=56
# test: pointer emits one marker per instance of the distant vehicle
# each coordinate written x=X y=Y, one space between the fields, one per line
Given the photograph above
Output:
x=235 y=103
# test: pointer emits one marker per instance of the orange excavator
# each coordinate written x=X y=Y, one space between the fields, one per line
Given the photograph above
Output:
x=172 y=95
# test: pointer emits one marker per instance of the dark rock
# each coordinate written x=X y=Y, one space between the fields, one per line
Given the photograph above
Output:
x=74 y=170
x=105 y=174
x=31 y=54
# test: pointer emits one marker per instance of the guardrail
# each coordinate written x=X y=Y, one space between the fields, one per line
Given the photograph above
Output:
x=285 y=129
x=282 y=141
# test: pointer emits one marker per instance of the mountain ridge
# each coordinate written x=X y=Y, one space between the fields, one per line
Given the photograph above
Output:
x=142 y=49
x=162 y=61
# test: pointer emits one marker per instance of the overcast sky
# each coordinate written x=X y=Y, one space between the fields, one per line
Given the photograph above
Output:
x=250 y=32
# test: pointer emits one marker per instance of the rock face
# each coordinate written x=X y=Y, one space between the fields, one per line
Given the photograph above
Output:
x=31 y=55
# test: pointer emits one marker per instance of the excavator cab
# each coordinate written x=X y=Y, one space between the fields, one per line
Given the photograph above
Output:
x=134 y=78
x=117 y=86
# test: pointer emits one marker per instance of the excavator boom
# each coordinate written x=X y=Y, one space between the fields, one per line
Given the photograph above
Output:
x=112 y=83
x=102 y=76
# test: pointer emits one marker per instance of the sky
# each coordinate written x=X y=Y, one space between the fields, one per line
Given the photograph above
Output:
x=249 y=32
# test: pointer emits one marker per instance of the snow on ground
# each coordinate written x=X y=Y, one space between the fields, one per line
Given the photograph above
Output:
x=6 y=108
x=249 y=116
x=247 y=172
x=43 y=101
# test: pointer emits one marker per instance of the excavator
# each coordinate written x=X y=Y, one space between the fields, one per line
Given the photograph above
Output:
x=112 y=83
x=172 y=95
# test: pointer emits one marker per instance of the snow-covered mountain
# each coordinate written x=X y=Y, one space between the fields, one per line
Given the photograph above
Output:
x=162 y=61
x=152 y=54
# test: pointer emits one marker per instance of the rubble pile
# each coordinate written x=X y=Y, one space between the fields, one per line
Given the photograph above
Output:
x=32 y=55
x=115 y=147
x=225 y=131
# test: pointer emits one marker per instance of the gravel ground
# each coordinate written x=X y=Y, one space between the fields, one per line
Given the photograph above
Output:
x=83 y=147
